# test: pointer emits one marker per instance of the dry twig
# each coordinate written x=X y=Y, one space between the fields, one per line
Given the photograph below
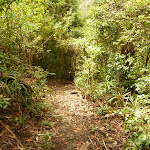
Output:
x=92 y=143
x=13 y=135
x=105 y=145
x=108 y=115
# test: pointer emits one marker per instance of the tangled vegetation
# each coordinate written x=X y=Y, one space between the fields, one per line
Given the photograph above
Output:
x=106 y=51
x=114 y=66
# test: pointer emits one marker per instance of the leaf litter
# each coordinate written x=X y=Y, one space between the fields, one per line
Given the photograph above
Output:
x=77 y=125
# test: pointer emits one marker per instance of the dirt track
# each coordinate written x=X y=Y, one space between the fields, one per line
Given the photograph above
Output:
x=77 y=125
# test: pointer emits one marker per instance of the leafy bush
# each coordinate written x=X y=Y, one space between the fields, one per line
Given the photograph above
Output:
x=114 y=63
x=38 y=73
x=143 y=85
x=112 y=42
x=4 y=102
x=14 y=89
x=137 y=126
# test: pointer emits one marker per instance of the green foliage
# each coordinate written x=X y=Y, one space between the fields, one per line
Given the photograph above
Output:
x=47 y=123
x=11 y=89
x=110 y=27
x=103 y=109
x=59 y=8
x=46 y=143
x=114 y=62
x=143 y=85
x=137 y=125
x=38 y=73
x=37 y=31
x=4 y=102
x=109 y=48
x=20 y=120
x=16 y=96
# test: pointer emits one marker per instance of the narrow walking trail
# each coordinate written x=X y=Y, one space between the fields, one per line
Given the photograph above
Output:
x=77 y=126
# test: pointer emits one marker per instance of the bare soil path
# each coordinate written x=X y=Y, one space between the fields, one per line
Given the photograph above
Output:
x=77 y=126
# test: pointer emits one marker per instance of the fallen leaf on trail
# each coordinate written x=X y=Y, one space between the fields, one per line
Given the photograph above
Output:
x=97 y=147
x=29 y=140
x=111 y=139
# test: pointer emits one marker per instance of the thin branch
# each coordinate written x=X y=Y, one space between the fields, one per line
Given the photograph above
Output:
x=105 y=145
x=117 y=139
x=92 y=143
x=13 y=135
x=45 y=41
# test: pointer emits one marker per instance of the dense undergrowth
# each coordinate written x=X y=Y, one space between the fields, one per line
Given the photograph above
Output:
x=106 y=49
x=114 y=65
x=22 y=92
x=32 y=34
